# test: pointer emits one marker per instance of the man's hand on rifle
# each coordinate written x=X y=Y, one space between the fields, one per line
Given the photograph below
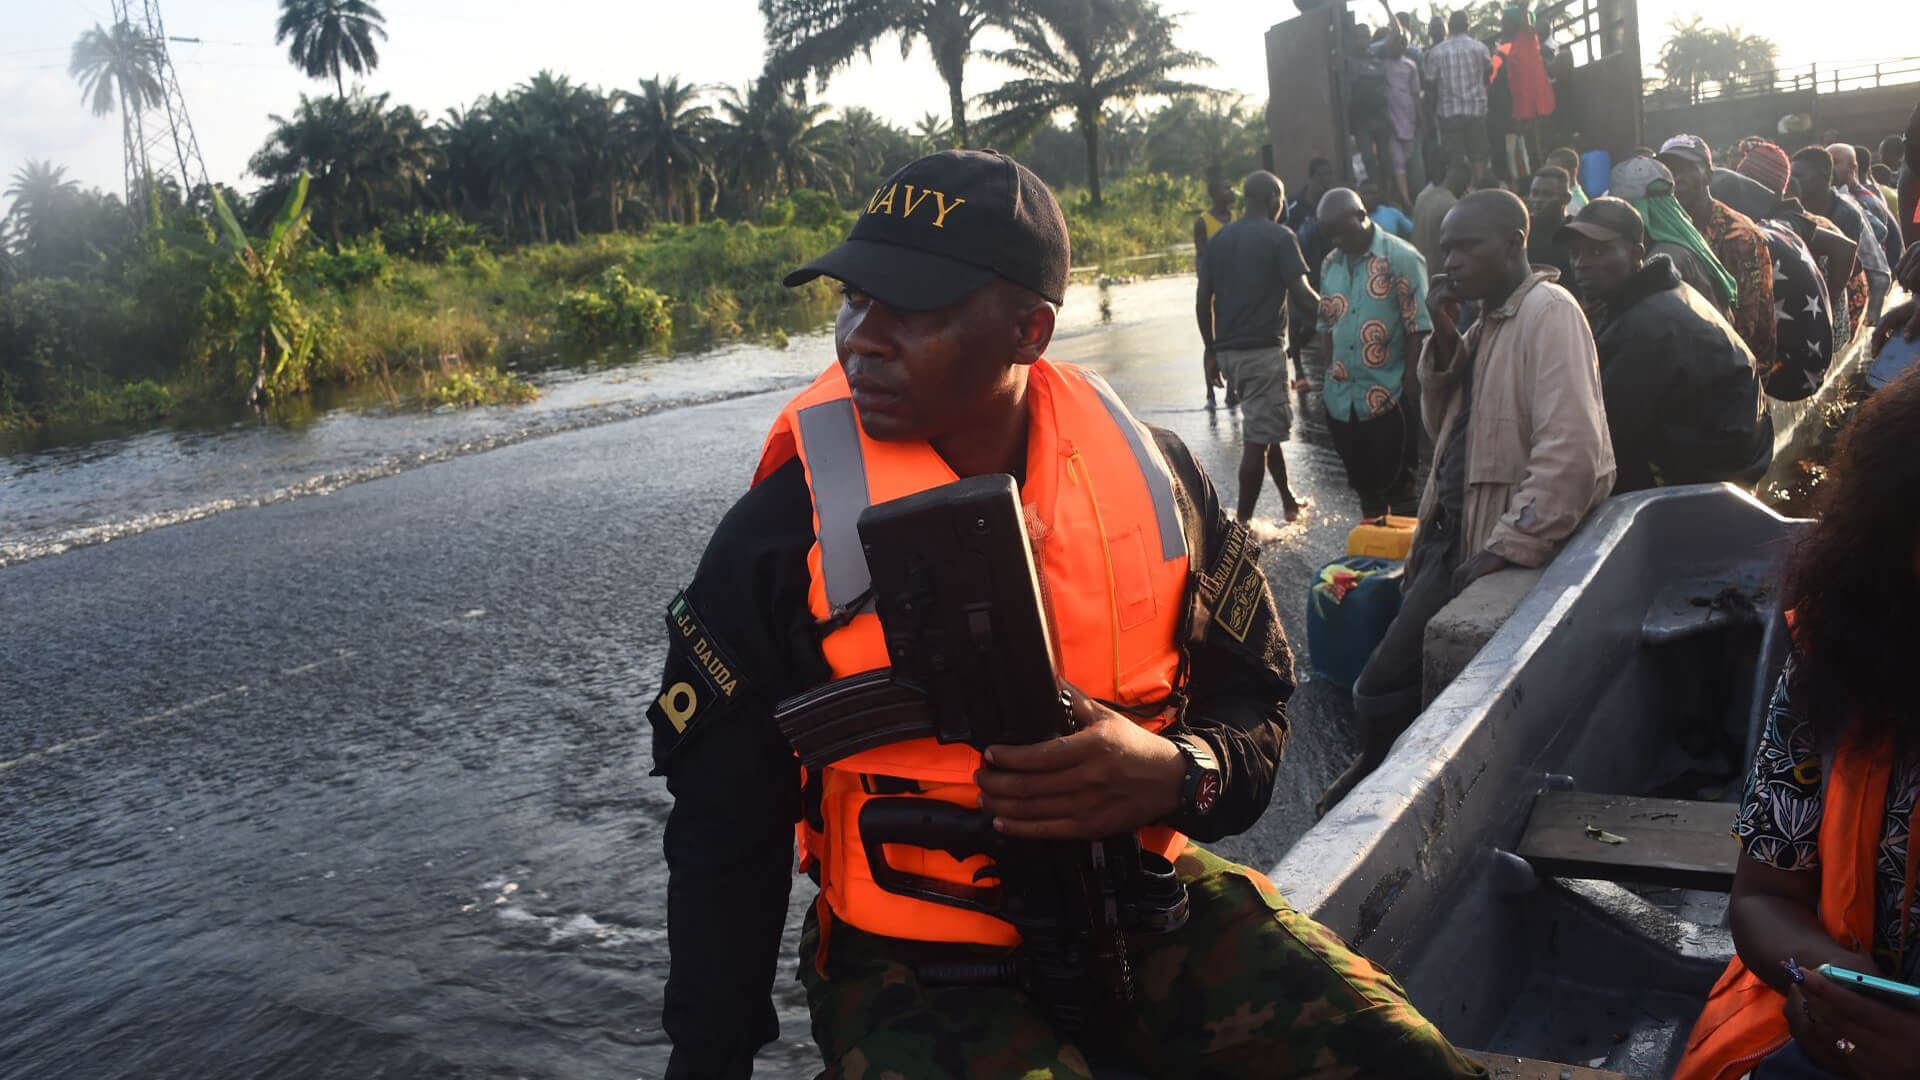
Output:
x=1109 y=777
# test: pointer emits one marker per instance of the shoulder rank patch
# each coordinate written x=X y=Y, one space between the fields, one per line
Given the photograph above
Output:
x=1232 y=588
x=704 y=680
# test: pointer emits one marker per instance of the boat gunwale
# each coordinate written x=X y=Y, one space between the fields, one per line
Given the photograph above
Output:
x=1400 y=817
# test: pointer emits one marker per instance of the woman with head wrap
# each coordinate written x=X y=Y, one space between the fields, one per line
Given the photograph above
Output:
x=1648 y=185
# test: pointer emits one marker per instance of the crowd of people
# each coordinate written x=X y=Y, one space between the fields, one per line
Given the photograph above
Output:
x=1411 y=105
x=1614 y=343
x=1579 y=345
x=1573 y=345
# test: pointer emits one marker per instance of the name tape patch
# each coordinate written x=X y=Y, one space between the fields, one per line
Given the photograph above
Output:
x=713 y=678
x=1233 y=589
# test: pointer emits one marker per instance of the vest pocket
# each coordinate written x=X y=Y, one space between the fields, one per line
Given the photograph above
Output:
x=1132 y=581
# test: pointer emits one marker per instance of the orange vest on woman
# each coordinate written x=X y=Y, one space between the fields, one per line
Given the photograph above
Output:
x=1111 y=552
x=1742 y=1022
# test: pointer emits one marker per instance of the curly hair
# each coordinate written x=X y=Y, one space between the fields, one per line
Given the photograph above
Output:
x=1851 y=582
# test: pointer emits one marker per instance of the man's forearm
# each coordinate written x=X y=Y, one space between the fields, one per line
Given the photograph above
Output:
x=1410 y=371
x=1304 y=296
x=723 y=933
x=1246 y=737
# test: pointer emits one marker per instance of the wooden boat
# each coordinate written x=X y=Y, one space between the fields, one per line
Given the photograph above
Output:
x=1465 y=864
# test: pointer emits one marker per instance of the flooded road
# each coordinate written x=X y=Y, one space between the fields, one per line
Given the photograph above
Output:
x=346 y=773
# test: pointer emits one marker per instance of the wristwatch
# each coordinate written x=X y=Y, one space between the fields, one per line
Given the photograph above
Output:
x=1200 y=787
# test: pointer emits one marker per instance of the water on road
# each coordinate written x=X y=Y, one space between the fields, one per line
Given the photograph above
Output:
x=344 y=773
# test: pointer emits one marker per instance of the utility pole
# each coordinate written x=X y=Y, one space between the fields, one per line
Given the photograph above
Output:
x=164 y=134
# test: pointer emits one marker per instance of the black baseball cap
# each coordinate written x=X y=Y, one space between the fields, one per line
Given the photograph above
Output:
x=1605 y=218
x=946 y=224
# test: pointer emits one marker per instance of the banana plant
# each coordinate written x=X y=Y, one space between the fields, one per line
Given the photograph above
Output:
x=271 y=317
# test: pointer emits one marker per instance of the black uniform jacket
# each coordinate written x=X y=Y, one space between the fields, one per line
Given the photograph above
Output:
x=742 y=639
x=1683 y=400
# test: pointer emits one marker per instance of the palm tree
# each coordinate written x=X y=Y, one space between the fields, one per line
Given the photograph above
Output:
x=1195 y=134
x=771 y=144
x=861 y=135
x=467 y=183
x=870 y=148
x=932 y=133
x=119 y=68
x=667 y=131
x=331 y=35
x=1697 y=53
x=39 y=192
x=364 y=160
x=9 y=262
x=1076 y=56
x=1123 y=140
x=546 y=105
x=546 y=115
x=807 y=37
x=533 y=169
x=401 y=159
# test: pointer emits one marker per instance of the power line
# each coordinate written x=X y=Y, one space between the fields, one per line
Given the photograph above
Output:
x=226 y=44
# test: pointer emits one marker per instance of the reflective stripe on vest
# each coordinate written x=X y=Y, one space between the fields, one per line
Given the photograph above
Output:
x=1173 y=538
x=832 y=436
x=1112 y=554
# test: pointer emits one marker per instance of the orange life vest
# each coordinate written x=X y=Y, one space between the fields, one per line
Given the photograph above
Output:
x=1111 y=551
x=1742 y=1022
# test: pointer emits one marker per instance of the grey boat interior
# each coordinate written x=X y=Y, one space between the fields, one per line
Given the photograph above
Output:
x=1640 y=664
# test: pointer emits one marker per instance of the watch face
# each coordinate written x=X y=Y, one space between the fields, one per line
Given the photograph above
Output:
x=1207 y=792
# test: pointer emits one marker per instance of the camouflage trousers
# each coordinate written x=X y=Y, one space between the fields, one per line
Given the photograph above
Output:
x=1248 y=988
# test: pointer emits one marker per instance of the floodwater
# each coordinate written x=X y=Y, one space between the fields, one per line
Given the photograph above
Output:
x=323 y=749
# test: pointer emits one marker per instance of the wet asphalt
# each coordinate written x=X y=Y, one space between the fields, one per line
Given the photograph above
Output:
x=356 y=784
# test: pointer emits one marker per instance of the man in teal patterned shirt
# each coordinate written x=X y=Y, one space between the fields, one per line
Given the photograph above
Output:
x=1373 y=309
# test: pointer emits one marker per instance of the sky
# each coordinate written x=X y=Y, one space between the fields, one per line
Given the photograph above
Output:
x=442 y=53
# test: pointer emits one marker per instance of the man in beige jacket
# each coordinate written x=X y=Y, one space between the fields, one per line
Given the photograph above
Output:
x=1521 y=448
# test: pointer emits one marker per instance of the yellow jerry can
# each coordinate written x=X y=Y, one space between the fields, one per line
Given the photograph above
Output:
x=1387 y=537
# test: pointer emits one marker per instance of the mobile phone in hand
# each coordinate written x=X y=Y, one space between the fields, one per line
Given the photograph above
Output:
x=1898 y=994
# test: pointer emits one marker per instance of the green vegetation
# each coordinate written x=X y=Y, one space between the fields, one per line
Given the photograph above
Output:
x=1697 y=53
x=552 y=220
x=1076 y=56
x=271 y=316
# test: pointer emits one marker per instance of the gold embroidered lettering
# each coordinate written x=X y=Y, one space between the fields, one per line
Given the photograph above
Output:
x=913 y=203
x=715 y=667
x=879 y=205
x=940 y=204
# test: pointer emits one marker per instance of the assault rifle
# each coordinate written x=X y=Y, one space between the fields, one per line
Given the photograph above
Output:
x=962 y=612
